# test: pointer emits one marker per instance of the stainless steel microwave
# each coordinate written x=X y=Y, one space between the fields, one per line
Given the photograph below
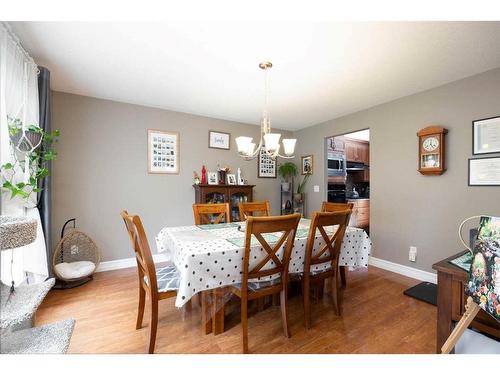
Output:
x=336 y=165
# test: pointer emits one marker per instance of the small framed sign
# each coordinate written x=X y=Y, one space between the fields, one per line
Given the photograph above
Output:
x=486 y=136
x=219 y=140
x=212 y=178
x=163 y=152
x=484 y=171
x=266 y=165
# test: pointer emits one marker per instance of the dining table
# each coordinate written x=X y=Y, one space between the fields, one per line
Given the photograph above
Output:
x=209 y=257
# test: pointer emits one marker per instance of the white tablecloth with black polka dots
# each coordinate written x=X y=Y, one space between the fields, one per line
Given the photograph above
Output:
x=210 y=256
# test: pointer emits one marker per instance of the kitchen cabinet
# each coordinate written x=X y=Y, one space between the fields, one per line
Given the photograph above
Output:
x=357 y=151
x=360 y=176
x=336 y=144
x=360 y=216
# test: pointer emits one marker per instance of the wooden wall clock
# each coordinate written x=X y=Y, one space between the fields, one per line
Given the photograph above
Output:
x=431 y=150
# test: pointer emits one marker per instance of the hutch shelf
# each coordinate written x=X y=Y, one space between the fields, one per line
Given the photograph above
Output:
x=232 y=194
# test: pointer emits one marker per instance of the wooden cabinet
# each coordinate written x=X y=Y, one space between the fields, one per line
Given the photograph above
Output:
x=357 y=151
x=360 y=216
x=336 y=144
x=360 y=176
x=451 y=303
x=232 y=194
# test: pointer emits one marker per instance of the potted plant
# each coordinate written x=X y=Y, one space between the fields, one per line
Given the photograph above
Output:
x=33 y=152
x=287 y=171
x=301 y=188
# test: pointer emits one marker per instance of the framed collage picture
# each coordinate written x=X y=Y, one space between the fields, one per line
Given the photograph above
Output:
x=266 y=165
x=163 y=152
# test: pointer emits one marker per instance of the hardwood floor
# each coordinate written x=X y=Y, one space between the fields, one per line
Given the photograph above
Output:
x=377 y=318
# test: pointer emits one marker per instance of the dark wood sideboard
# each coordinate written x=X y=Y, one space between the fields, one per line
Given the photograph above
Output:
x=232 y=194
x=451 y=303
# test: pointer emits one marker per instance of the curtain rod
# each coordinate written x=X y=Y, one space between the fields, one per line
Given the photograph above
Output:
x=17 y=42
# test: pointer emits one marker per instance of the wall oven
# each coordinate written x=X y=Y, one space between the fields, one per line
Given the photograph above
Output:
x=336 y=193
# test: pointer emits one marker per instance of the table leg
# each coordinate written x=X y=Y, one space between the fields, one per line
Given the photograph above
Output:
x=218 y=311
x=343 y=275
x=206 y=313
x=444 y=313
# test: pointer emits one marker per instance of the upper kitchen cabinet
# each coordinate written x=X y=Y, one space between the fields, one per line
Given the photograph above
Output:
x=336 y=144
x=357 y=151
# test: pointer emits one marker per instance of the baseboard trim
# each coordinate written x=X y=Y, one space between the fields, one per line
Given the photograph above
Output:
x=403 y=270
x=126 y=263
x=375 y=262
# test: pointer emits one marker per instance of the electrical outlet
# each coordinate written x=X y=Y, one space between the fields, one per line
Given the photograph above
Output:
x=413 y=254
x=316 y=188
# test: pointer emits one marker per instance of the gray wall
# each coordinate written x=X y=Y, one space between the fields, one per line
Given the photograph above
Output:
x=406 y=207
x=102 y=168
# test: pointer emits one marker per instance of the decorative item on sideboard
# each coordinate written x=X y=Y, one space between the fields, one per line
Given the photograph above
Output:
x=212 y=178
x=203 y=175
x=196 y=178
x=222 y=174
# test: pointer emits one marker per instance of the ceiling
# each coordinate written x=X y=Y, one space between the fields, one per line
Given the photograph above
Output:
x=321 y=70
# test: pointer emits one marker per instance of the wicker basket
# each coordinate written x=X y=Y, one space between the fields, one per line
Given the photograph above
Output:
x=75 y=246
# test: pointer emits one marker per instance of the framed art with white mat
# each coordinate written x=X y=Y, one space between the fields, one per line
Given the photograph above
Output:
x=484 y=171
x=266 y=166
x=486 y=136
x=163 y=152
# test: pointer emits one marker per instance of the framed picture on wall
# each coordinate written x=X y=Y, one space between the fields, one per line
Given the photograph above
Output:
x=219 y=140
x=486 y=136
x=307 y=164
x=266 y=166
x=484 y=171
x=163 y=152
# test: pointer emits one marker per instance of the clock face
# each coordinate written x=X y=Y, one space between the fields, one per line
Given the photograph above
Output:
x=430 y=143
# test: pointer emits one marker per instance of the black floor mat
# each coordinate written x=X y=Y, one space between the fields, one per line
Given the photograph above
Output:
x=426 y=292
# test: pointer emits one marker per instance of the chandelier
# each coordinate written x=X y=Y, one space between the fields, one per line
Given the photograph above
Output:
x=269 y=142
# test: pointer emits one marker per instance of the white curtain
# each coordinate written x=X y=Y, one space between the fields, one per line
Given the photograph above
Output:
x=18 y=99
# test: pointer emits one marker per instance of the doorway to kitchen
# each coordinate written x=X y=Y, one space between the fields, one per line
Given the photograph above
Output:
x=348 y=174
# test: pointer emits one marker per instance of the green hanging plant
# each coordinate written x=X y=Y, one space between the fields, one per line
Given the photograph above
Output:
x=38 y=160
x=287 y=170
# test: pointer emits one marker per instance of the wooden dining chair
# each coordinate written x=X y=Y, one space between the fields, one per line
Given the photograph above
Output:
x=157 y=284
x=254 y=209
x=206 y=213
x=335 y=207
x=328 y=255
x=273 y=264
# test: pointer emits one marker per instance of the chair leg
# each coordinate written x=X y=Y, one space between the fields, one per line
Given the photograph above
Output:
x=153 y=326
x=244 y=324
x=343 y=276
x=140 y=310
x=337 y=294
x=307 y=304
x=284 y=311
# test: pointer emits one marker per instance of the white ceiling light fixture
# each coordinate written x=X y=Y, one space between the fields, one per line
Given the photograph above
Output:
x=270 y=142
